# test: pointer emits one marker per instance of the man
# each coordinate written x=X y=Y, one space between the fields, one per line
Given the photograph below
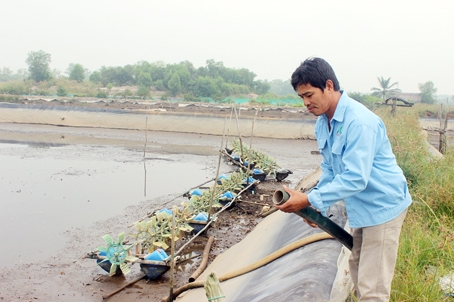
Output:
x=359 y=167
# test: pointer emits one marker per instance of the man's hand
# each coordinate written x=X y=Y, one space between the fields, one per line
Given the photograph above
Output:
x=296 y=202
x=314 y=225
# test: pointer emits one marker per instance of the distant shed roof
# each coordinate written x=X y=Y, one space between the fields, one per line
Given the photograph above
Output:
x=410 y=96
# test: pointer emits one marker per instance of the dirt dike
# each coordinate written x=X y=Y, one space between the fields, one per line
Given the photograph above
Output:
x=212 y=119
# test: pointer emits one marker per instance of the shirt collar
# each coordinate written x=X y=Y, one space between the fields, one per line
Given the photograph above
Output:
x=339 y=113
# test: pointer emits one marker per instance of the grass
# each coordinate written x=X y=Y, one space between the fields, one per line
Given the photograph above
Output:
x=426 y=249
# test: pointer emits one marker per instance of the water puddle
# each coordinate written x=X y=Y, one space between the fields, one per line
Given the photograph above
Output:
x=47 y=190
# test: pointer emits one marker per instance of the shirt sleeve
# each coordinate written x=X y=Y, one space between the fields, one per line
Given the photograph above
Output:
x=327 y=174
x=355 y=158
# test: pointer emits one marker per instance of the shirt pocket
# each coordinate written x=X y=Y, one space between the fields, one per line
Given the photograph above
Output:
x=324 y=150
x=321 y=144
x=338 y=152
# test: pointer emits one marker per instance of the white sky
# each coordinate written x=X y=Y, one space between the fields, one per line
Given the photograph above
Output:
x=411 y=41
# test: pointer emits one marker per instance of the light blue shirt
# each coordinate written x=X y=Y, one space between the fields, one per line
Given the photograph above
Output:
x=358 y=166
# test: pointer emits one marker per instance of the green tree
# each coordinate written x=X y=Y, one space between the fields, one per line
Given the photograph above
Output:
x=281 y=87
x=127 y=93
x=144 y=79
x=206 y=87
x=101 y=94
x=174 y=84
x=159 y=85
x=143 y=91
x=366 y=99
x=183 y=72
x=61 y=91
x=261 y=87
x=386 y=89
x=428 y=91
x=95 y=77
x=5 y=74
x=77 y=73
x=109 y=87
x=38 y=65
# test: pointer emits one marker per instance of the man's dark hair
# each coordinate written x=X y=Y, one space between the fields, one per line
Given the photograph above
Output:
x=314 y=71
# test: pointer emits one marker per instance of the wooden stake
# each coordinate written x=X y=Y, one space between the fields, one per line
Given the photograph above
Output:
x=145 y=178
x=393 y=108
x=146 y=135
x=217 y=173
x=144 y=160
x=239 y=135
x=443 y=126
x=123 y=287
x=228 y=127
x=250 y=144
x=172 y=257
x=213 y=289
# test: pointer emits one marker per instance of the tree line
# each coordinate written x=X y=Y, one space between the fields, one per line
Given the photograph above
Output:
x=182 y=79
x=214 y=80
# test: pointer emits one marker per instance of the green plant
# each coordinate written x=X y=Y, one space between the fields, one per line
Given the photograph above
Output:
x=101 y=94
x=61 y=91
x=426 y=248
x=233 y=183
x=263 y=161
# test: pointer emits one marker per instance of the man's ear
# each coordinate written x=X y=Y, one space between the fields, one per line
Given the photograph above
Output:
x=329 y=85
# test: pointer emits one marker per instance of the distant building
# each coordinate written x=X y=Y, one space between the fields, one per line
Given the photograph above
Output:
x=410 y=97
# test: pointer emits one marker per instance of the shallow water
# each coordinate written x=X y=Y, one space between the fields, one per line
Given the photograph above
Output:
x=48 y=190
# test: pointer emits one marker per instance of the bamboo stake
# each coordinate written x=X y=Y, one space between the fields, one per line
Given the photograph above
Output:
x=443 y=126
x=228 y=127
x=144 y=160
x=217 y=173
x=145 y=178
x=239 y=135
x=393 y=108
x=213 y=289
x=146 y=135
x=172 y=257
x=105 y=297
x=250 y=145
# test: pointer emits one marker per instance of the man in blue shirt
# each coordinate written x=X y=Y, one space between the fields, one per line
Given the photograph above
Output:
x=358 y=167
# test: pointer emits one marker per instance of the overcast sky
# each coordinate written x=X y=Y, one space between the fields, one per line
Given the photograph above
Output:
x=410 y=41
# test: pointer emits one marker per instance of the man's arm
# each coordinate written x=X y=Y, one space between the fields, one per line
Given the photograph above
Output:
x=357 y=159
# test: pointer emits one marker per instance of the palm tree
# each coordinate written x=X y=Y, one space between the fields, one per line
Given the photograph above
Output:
x=386 y=90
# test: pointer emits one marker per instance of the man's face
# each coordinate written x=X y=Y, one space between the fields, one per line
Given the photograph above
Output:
x=316 y=101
